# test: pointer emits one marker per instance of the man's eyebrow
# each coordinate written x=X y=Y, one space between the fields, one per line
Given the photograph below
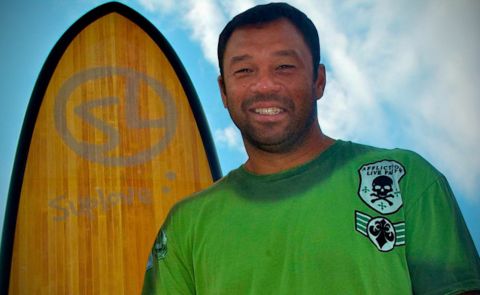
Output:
x=244 y=57
x=286 y=52
x=240 y=58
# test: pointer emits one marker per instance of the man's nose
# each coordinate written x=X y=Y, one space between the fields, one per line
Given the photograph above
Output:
x=265 y=82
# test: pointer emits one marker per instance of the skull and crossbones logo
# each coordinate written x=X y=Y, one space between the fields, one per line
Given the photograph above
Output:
x=379 y=185
x=382 y=188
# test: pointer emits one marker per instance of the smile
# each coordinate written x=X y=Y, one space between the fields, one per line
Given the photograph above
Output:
x=268 y=111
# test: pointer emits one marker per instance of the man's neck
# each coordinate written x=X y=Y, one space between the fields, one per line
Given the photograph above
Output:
x=262 y=162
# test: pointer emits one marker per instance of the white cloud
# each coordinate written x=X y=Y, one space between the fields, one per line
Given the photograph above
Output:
x=231 y=137
x=163 y=6
x=447 y=105
x=330 y=111
x=349 y=108
x=234 y=7
x=206 y=19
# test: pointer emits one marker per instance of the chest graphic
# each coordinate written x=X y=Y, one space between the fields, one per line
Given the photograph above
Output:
x=379 y=185
x=384 y=234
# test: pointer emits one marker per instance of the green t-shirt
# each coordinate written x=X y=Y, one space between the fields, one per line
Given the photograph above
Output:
x=354 y=220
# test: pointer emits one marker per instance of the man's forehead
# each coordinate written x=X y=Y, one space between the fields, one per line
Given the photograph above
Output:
x=278 y=53
x=281 y=28
x=278 y=38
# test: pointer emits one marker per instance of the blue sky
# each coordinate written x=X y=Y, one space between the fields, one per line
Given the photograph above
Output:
x=399 y=74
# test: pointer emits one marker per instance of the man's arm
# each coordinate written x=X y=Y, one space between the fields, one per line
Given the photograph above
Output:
x=169 y=270
x=442 y=258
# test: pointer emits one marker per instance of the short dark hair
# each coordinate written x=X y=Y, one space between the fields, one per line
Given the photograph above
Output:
x=266 y=13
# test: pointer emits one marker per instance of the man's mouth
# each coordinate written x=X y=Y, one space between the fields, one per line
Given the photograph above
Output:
x=268 y=111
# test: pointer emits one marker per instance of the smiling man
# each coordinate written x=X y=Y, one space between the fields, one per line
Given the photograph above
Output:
x=270 y=86
x=307 y=214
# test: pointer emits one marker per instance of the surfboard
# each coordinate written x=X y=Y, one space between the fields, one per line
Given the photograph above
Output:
x=114 y=135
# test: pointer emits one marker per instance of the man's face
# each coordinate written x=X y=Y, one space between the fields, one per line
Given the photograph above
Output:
x=268 y=85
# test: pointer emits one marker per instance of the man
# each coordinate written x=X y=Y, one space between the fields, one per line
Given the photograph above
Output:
x=307 y=214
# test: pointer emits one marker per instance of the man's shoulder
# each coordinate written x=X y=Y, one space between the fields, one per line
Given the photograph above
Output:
x=404 y=163
x=365 y=152
x=200 y=199
x=209 y=192
x=366 y=158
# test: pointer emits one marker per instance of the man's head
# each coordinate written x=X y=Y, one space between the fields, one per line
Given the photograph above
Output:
x=270 y=79
x=267 y=13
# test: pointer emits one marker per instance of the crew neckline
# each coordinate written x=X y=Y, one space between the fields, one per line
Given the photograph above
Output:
x=244 y=173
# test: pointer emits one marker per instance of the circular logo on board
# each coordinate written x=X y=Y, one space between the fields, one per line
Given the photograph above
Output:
x=115 y=116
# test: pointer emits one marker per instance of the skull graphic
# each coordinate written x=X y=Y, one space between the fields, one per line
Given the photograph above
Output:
x=379 y=185
x=382 y=187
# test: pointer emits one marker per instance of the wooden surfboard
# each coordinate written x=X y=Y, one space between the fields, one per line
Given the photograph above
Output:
x=114 y=135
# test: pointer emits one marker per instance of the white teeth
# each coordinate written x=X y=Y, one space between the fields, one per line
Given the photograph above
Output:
x=268 y=111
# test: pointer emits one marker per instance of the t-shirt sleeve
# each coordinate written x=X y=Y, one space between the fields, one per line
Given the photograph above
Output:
x=442 y=258
x=169 y=269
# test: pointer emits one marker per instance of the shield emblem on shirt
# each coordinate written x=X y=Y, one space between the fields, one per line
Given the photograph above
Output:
x=379 y=185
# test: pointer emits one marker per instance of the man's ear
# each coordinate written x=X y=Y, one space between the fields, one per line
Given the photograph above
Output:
x=319 y=83
x=221 y=86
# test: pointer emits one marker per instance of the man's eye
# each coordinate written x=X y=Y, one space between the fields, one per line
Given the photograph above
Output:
x=243 y=71
x=285 y=67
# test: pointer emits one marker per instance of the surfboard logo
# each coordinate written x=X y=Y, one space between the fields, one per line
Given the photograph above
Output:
x=384 y=234
x=115 y=115
x=379 y=186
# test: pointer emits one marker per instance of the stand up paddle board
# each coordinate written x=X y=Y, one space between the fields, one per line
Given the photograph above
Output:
x=114 y=135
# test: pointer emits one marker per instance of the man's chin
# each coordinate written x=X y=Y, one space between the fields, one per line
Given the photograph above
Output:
x=273 y=145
